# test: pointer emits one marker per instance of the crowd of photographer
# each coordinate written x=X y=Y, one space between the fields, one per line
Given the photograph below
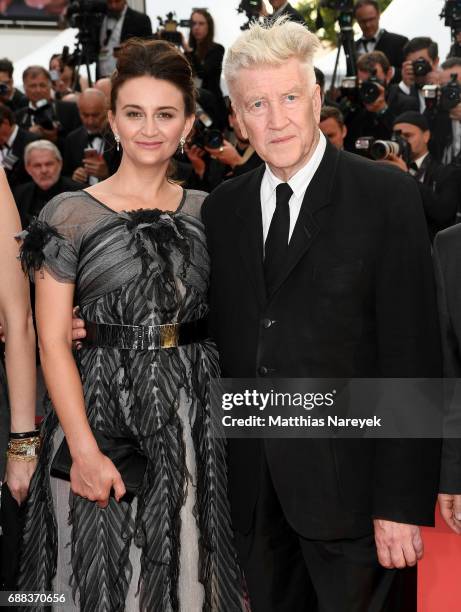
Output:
x=398 y=99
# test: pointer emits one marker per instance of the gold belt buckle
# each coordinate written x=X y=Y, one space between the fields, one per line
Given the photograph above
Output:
x=169 y=335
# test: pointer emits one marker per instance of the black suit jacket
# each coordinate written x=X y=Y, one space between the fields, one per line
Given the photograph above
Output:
x=18 y=174
x=447 y=263
x=392 y=46
x=75 y=144
x=30 y=199
x=356 y=299
x=135 y=24
x=65 y=112
x=17 y=101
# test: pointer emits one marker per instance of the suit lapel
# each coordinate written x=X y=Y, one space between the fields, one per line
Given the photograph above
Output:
x=251 y=237
x=317 y=196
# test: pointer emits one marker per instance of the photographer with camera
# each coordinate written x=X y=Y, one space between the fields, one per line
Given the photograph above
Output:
x=90 y=152
x=438 y=184
x=45 y=117
x=9 y=95
x=380 y=100
x=13 y=141
x=375 y=38
x=420 y=68
x=120 y=24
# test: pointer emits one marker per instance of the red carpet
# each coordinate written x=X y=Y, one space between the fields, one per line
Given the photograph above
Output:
x=439 y=574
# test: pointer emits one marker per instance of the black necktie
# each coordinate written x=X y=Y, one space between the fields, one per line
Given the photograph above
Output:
x=277 y=238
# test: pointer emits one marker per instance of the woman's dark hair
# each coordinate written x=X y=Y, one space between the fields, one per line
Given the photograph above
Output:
x=158 y=59
x=202 y=48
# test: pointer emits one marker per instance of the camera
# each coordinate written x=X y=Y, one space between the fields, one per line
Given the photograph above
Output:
x=170 y=29
x=87 y=16
x=371 y=89
x=204 y=135
x=44 y=115
x=452 y=14
x=444 y=98
x=252 y=10
x=383 y=149
x=421 y=67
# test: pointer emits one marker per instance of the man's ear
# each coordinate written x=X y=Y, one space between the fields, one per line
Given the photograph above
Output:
x=427 y=136
x=317 y=103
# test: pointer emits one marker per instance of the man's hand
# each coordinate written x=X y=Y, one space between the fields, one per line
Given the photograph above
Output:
x=227 y=154
x=96 y=166
x=78 y=328
x=396 y=161
x=195 y=155
x=408 y=74
x=398 y=545
x=80 y=175
x=450 y=509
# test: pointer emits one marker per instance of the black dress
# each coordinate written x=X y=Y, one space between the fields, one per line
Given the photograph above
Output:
x=145 y=268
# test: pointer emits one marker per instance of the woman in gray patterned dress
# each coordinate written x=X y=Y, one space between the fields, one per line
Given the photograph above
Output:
x=131 y=252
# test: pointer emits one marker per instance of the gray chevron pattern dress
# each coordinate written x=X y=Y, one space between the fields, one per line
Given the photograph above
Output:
x=172 y=548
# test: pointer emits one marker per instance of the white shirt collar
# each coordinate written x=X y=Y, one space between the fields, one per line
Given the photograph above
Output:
x=420 y=160
x=299 y=182
x=12 y=137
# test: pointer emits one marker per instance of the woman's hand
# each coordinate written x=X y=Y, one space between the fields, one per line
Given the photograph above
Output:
x=93 y=475
x=18 y=475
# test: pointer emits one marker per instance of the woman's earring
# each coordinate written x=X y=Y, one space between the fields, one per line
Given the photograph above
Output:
x=117 y=140
x=182 y=142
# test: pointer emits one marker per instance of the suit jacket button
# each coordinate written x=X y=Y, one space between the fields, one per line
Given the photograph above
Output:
x=263 y=371
x=267 y=323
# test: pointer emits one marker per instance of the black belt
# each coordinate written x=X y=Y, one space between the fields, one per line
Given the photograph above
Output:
x=145 y=338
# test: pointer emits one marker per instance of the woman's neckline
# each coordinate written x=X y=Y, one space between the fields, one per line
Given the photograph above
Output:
x=118 y=212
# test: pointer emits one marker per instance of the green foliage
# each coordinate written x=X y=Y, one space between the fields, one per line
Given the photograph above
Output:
x=308 y=9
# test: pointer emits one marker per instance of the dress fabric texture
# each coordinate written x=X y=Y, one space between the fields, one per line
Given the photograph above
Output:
x=172 y=547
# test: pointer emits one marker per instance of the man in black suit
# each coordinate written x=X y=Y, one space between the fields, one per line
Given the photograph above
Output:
x=320 y=267
x=282 y=8
x=375 y=116
x=447 y=264
x=9 y=95
x=120 y=24
x=439 y=185
x=374 y=38
x=90 y=152
x=43 y=163
x=49 y=119
x=13 y=141
x=425 y=51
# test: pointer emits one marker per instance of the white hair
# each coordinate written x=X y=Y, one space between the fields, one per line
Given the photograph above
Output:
x=41 y=145
x=271 y=45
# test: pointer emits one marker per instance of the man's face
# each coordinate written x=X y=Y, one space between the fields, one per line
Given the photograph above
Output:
x=5 y=132
x=368 y=19
x=423 y=54
x=417 y=138
x=334 y=132
x=116 y=6
x=37 y=88
x=278 y=110
x=364 y=75
x=7 y=81
x=93 y=112
x=44 y=168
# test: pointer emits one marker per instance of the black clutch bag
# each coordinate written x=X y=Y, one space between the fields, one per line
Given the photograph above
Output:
x=123 y=453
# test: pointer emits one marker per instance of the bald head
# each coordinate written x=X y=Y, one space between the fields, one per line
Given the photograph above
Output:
x=93 y=105
x=104 y=85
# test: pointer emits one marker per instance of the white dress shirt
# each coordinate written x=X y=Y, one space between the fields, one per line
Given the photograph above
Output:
x=109 y=38
x=298 y=183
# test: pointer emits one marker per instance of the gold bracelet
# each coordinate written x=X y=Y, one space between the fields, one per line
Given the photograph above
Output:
x=26 y=458
x=25 y=449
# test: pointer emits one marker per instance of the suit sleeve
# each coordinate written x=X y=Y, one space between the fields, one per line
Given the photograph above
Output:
x=406 y=471
x=450 y=470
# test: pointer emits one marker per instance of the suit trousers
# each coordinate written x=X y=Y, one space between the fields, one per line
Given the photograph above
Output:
x=286 y=572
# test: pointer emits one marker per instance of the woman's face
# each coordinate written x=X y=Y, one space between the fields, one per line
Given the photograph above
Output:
x=150 y=120
x=199 y=27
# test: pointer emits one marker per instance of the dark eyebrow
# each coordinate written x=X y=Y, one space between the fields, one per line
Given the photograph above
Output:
x=160 y=108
